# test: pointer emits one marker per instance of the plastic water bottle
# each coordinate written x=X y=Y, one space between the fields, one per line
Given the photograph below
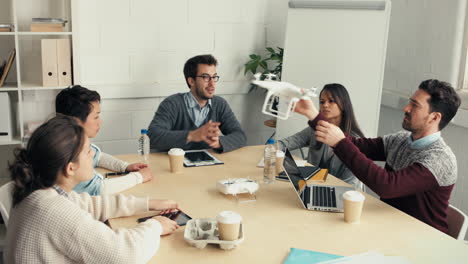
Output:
x=144 y=146
x=269 y=161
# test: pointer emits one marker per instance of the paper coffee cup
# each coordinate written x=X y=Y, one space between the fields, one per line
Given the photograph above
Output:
x=176 y=159
x=353 y=203
x=228 y=225
x=279 y=161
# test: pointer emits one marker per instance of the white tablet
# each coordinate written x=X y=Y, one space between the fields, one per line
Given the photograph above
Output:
x=195 y=158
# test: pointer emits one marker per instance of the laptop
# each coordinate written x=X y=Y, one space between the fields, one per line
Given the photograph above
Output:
x=304 y=172
x=317 y=197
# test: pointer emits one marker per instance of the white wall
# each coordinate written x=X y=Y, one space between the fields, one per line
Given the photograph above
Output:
x=425 y=41
x=138 y=49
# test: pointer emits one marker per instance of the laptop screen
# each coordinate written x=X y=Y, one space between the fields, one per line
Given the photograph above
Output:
x=294 y=175
x=292 y=170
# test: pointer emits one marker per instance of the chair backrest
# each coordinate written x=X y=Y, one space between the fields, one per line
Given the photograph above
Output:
x=6 y=201
x=457 y=223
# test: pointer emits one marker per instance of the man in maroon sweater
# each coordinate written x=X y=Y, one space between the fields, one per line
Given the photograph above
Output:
x=420 y=170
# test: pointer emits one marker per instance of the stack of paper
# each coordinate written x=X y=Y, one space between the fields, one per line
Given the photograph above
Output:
x=370 y=257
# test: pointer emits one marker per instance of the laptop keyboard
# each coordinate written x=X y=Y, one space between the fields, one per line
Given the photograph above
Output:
x=324 y=196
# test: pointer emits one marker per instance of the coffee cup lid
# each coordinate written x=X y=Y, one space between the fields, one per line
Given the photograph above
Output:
x=229 y=217
x=354 y=196
x=176 y=151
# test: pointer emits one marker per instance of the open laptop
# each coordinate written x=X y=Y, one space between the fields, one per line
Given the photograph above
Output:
x=314 y=196
x=306 y=172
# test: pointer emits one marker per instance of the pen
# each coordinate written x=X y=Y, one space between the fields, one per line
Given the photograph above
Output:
x=116 y=173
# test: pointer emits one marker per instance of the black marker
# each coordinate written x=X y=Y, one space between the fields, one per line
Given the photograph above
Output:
x=116 y=173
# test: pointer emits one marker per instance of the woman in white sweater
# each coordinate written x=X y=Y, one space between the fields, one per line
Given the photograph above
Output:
x=50 y=223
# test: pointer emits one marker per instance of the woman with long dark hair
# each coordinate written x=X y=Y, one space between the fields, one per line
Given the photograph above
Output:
x=336 y=107
x=51 y=223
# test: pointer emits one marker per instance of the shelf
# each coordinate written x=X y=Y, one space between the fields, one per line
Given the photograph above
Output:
x=32 y=87
x=9 y=87
x=28 y=33
x=3 y=89
x=25 y=87
x=15 y=141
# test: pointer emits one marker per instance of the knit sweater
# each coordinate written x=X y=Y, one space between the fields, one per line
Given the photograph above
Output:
x=50 y=228
x=416 y=181
x=322 y=157
x=172 y=123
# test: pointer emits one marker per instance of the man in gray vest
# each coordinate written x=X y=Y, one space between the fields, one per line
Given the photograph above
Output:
x=196 y=119
x=420 y=170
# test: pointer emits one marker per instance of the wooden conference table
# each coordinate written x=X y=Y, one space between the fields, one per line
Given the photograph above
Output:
x=277 y=221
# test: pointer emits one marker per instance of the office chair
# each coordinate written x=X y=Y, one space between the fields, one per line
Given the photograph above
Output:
x=6 y=201
x=457 y=223
x=5 y=207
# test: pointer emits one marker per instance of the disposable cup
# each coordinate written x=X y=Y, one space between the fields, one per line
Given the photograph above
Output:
x=176 y=159
x=228 y=225
x=353 y=203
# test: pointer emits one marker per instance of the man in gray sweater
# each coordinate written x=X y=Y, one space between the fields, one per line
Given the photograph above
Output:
x=196 y=119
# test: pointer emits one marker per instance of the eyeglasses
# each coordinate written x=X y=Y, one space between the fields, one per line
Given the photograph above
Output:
x=208 y=78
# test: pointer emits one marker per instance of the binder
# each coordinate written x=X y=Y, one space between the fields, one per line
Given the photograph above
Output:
x=64 y=62
x=320 y=176
x=6 y=67
x=49 y=62
x=56 y=62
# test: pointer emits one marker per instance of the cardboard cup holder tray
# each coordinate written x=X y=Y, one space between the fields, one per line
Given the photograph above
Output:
x=200 y=232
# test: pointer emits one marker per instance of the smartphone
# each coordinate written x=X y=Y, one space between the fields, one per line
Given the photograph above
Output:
x=282 y=176
x=180 y=217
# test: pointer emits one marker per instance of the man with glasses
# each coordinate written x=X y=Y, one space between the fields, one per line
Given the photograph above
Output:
x=196 y=119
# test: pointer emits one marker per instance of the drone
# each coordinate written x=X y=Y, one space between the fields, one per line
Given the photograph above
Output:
x=282 y=97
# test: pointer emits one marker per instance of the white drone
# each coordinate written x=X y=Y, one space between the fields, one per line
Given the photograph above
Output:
x=283 y=93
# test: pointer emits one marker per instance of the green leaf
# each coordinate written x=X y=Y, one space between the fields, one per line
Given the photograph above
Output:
x=246 y=69
x=276 y=57
x=251 y=68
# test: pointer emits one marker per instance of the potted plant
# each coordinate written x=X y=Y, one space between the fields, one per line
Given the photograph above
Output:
x=274 y=58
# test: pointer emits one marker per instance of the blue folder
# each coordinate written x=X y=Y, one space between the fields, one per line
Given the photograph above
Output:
x=302 y=256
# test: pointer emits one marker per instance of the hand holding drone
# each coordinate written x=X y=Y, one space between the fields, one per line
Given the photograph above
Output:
x=287 y=92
